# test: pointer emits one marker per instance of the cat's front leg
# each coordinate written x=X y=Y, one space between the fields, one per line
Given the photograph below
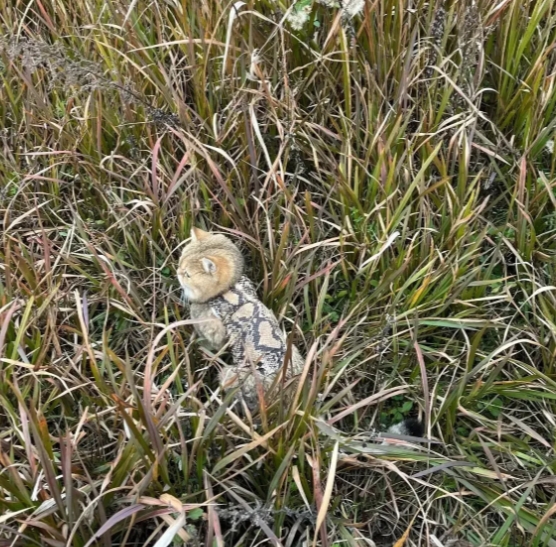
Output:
x=208 y=326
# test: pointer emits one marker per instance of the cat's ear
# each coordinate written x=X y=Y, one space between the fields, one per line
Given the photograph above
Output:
x=208 y=265
x=198 y=235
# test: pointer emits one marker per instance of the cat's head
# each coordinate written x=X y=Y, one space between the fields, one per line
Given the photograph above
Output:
x=209 y=265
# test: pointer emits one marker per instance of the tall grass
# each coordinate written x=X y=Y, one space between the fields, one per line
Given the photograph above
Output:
x=391 y=178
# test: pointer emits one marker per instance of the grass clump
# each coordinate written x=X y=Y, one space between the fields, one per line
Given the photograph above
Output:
x=390 y=172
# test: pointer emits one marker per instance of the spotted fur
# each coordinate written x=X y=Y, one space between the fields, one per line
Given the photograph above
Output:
x=226 y=309
x=208 y=325
x=257 y=343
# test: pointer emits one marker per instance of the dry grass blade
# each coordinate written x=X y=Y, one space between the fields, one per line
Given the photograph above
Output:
x=114 y=519
x=323 y=509
x=244 y=449
x=389 y=172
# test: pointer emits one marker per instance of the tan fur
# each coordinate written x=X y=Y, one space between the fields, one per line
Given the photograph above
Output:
x=228 y=311
x=200 y=285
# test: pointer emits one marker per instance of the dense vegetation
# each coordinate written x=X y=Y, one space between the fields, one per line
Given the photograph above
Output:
x=389 y=170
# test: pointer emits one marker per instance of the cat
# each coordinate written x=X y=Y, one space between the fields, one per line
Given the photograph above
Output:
x=228 y=312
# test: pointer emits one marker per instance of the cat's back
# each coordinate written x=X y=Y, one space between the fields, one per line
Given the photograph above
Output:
x=255 y=334
x=241 y=311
